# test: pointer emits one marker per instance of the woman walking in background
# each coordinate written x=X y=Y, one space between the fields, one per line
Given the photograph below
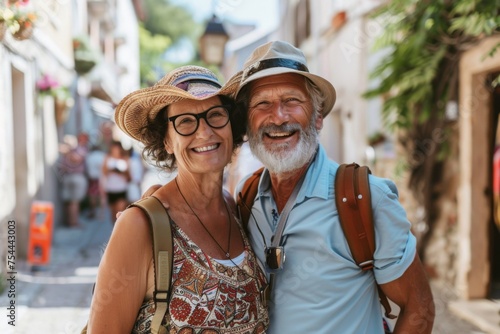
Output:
x=116 y=178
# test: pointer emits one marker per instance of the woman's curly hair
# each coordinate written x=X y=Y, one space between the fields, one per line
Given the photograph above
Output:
x=154 y=132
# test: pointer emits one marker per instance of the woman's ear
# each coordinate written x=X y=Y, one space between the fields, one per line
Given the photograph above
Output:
x=166 y=143
x=167 y=146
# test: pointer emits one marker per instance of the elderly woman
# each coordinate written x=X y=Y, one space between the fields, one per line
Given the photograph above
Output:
x=189 y=123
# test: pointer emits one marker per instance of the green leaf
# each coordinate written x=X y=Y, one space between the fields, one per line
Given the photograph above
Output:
x=464 y=7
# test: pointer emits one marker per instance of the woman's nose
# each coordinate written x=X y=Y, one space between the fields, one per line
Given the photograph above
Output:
x=204 y=130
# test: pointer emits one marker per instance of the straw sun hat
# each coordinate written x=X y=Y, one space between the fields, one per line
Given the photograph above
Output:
x=280 y=57
x=186 y=82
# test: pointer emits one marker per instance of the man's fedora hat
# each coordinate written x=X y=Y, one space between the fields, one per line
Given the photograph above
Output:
x=280 y=57
x=186 y=82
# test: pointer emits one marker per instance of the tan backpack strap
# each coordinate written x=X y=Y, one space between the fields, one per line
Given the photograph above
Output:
x=353 y=199
x=246 y=196
x=162 y=257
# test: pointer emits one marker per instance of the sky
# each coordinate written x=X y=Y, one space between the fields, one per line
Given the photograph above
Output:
x=242 y=11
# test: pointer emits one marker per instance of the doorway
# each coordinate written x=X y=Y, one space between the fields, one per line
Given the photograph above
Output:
x=494 y=228
x=21 y=171
x=475 y=259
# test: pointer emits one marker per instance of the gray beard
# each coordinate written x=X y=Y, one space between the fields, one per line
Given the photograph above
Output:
x=281 y=158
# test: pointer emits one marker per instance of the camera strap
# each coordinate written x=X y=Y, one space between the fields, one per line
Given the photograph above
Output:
x=276 y=239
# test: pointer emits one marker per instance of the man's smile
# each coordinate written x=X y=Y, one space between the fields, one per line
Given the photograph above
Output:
x=279 y=135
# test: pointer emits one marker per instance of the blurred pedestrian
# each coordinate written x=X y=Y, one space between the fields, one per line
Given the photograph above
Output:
x=74 y=179
x=115 y=178
x=136 y=175
x=93 y=163
x=496 y=186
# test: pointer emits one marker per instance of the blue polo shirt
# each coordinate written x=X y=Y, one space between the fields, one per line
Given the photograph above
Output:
x=320 y=288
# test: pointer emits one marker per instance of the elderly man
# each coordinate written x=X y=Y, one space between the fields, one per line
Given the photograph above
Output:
x=319 y=288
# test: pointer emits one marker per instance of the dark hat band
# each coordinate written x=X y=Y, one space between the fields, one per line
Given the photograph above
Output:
x=185 y=84
x=274 y=62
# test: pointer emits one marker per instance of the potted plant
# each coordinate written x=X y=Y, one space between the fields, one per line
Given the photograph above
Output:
x=85 y=56
x=3 y=22
x=21 y=20
x=49 y=86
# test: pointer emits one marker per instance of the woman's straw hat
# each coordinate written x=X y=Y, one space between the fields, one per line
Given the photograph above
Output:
x=280 y=57
x=186 y=82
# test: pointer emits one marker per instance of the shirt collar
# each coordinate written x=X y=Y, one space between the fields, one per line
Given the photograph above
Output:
x=316 y=183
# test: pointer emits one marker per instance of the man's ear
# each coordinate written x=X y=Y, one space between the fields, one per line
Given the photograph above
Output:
x=319 y=122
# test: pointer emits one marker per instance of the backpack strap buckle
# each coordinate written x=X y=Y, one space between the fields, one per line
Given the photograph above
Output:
x=160 y=296
x=367 y=265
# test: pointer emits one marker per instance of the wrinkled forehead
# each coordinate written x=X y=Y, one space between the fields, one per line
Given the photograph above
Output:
x=279 y=82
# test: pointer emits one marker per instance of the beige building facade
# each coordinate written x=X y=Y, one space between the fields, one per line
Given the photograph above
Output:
x=29 y=134
x=33 y=127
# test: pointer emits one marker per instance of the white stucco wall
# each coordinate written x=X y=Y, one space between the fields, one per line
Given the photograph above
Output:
x=7 y=184
x=29 y=135
x=344 y=56
x=127 y=55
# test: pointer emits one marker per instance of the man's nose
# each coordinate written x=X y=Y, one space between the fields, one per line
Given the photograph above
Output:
x=278 y=115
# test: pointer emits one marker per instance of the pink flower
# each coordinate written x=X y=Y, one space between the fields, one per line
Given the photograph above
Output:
x=46 y=83
x=22 y=3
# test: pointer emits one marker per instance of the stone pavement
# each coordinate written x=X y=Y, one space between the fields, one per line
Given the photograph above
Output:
x=56 y=300
x=453 y=315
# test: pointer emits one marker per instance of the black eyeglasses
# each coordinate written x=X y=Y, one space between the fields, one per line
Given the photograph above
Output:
x=216 y=117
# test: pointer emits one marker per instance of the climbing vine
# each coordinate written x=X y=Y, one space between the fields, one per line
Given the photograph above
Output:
x=419 y=77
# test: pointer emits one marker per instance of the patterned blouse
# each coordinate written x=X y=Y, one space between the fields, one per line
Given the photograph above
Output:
x=209 y=297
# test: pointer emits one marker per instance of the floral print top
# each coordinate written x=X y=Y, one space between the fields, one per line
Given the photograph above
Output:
x=208 y=297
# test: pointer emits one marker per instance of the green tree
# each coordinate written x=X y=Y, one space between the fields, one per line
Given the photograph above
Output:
x=419 y=76
x=170 y=20
x=164 y=26
x=152 y=49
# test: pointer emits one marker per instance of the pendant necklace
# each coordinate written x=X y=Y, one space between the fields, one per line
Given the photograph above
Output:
x=226 y=253
x=262 y=289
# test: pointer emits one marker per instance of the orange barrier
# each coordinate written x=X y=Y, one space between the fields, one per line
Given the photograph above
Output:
x=40 y=233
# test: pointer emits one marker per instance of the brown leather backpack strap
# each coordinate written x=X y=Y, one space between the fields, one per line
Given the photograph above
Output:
x=352 y=195
x=247 y=195
x=353 y=199
x=362 y=184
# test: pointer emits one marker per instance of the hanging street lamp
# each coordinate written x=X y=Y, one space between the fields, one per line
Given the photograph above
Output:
x=213 y=42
